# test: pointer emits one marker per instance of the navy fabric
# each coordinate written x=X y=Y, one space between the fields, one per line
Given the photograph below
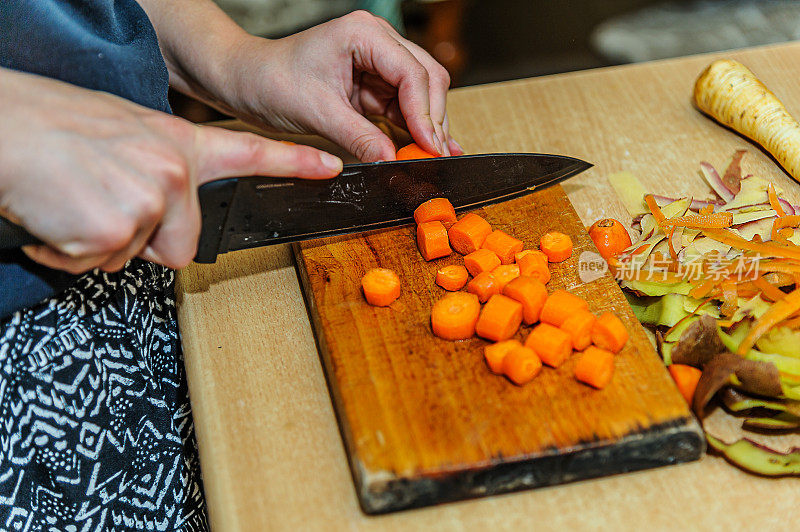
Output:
x=105 y=45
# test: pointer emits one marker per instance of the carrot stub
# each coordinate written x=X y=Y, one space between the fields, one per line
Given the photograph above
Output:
x=436 y=209
x=499 y=319
x=686 y=377
x=454 y=316
x=481 y=260
x=551 y=344
x=534 y=264
x=452 y=278
x=505 y=245
x=609 y=333
x=610 y=237
x=432 y=240
x=595 y=367
x=560 y=305
x=579 y=328
x=530 y=293
x=557 y=246
x=504 y=274
x=495 y=354
x=412 y=151
x=468 y=233
x=521 y=365
x=484 y=285
x=381 y=287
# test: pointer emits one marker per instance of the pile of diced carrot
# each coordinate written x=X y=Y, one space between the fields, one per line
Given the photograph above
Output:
x=510 y=283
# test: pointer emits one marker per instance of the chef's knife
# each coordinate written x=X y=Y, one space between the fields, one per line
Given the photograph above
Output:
x=248 y=212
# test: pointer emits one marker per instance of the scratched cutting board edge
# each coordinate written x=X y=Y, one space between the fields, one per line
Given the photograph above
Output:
x=424 y=421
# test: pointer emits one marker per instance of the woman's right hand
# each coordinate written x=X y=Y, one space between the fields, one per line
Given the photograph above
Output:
x=101 y=180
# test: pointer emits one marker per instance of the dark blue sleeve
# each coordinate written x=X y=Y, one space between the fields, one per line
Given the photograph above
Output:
x=24 y=283
x=105 y=45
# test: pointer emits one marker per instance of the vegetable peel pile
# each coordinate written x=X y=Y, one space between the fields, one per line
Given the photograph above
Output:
x=719 y=281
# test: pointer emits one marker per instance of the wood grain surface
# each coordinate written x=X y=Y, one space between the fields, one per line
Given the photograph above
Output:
x=424 y=420
x=270 y=448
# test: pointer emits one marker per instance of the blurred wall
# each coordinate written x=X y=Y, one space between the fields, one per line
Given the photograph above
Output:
x=507 y=39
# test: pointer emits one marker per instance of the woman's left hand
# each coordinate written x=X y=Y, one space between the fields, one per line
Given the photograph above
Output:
x=325 y=80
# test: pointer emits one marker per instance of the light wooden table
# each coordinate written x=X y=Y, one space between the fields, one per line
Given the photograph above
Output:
x=271 y=453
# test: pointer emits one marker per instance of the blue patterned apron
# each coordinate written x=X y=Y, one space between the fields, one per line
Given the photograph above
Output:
x=96 y=428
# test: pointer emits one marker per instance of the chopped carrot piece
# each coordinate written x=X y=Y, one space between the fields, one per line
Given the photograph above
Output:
x=686 y=377
x=560 y=305
x=535 y=254
x=504 y=274
x=524 y=252
x=432 y=240
x=481 y=260
x=452 y=278
x=381 y=287
x=505 y=245
x=483 y=285
x=495 y=354
x=436 y=209
x=499 y=319
x=579 y=328
x=531 y=293
x=557 y=246
x=534 y=264
x=454 y=316
x=468 y=233
x=609 y=332
x=551 y=344
x=595 y=367
x=521 y=365
x=412 y=151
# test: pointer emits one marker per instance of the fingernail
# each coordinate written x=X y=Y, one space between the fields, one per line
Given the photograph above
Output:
x=438 y=144
x=457 y=145
x=331 y=162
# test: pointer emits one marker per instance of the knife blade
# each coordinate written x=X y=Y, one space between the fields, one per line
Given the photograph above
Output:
x=247 y=212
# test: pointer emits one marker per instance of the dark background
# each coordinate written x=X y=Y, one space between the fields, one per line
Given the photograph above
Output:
x=509 y=39
x=483 y=41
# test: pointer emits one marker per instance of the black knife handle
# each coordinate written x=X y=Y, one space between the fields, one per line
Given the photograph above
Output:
x=13 y=236
x=215 y=203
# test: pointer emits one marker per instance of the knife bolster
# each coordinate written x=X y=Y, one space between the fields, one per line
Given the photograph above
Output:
x=215 y=203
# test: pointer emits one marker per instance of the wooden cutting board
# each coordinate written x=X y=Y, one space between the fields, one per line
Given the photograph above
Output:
x=424 y=421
